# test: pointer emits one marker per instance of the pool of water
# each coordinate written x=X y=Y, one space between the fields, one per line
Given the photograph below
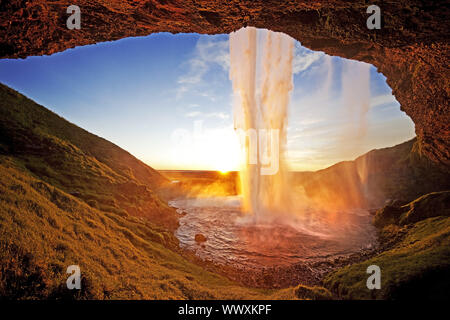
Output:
x=237 y=240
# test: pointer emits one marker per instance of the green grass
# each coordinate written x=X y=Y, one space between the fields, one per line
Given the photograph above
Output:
x=416 y=267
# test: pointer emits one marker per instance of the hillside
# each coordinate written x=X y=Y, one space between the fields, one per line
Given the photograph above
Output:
x=414 y=258
x=79 y=163
x=399 y=173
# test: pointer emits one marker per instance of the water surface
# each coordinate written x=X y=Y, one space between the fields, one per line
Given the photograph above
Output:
x=236 y=240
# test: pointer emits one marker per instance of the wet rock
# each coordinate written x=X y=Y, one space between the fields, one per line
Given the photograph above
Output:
x=395 y=202
x=387 y=215
x=200 y=238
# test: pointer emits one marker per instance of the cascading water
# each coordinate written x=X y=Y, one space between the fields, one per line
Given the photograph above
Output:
x=261 y=73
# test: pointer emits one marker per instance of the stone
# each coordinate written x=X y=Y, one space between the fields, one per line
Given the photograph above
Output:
x=200 y=238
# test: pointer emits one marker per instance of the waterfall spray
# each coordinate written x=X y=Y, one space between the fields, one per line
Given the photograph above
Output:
x=261 y=73
x=355 y=97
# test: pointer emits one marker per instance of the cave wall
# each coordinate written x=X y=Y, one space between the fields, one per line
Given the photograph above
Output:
x=411 y=49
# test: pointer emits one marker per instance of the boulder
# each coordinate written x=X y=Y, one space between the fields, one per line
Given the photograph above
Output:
x=430 y=205
x=200 y=238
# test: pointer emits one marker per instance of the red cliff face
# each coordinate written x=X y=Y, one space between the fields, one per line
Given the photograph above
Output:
x=411 y=49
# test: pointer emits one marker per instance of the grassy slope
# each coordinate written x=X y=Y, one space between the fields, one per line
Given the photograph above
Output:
x=415 y=267
x=91 y=168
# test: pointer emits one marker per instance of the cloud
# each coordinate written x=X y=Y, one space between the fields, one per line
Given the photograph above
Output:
x=193 y=114
x=218 y=115
x=304 y=58
x=208 y=53
x=382 y=99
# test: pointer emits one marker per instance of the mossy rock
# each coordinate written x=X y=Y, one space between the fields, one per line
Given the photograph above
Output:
x=388 y=215
x=430 y=205
x=312 y=293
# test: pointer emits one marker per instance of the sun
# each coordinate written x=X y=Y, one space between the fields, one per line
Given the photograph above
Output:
x=214 y=149
x=227 y=161
x=220 y=150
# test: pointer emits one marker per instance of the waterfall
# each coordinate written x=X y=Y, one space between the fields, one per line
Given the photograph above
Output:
x=261 y=73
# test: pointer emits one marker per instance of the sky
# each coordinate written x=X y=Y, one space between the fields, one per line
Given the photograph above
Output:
x=167 y=99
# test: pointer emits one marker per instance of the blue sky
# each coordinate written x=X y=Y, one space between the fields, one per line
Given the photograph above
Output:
x=167 y=99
